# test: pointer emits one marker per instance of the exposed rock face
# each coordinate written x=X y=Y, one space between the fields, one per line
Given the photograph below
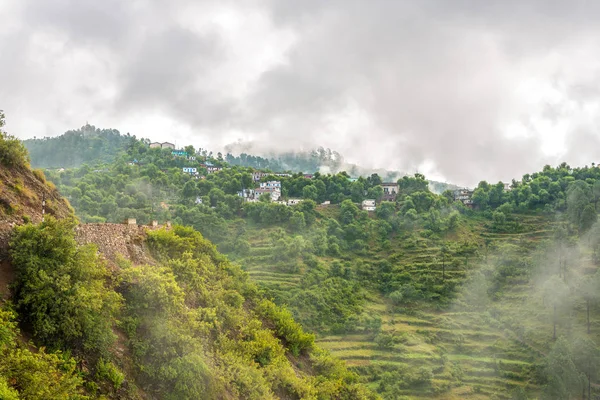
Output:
x=21 y=195
x=116 y=239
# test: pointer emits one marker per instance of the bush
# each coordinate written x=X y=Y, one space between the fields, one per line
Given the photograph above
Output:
x=12 y=151
x=60 y=288
x=286 y=328
x=106 y=370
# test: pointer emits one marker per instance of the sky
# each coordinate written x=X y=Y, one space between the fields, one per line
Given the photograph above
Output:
x=458 y=90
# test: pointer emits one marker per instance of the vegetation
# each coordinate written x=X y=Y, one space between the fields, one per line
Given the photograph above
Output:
x=422 y=298
x=12 y=151
x=74 y=148
x=195 y=326
x=29 y=375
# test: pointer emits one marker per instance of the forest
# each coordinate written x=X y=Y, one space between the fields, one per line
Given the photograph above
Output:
x=423 y=282
x=424 y=297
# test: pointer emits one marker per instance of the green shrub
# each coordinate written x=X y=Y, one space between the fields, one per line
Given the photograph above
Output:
x=286 y=328
x=59 y=288
x=106 y=370
x=12 y=151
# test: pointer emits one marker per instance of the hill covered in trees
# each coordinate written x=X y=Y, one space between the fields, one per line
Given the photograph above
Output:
x=424 y=297
x=185 y=324
x=86 y=145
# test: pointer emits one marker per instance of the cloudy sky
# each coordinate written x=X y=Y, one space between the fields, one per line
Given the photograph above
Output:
x=460 y=90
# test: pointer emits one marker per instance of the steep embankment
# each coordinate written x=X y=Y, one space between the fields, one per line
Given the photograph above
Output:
x=22 y=193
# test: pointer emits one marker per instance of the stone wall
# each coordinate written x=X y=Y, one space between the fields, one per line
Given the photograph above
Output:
x=114 y=239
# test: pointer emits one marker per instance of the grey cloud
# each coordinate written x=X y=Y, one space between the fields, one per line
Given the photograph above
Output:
x=413 y=83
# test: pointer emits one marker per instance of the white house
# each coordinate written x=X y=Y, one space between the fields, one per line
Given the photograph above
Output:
x=275 y=193
x=368 y=205
x=293 y=202
x=464 y=195
x=326 y=203
x=246 y=193
x=271 y=185
x=190 y=170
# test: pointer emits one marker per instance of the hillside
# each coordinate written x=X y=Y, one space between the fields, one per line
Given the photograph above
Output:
x=132 y=312
x=426 y=297
x=87 y=145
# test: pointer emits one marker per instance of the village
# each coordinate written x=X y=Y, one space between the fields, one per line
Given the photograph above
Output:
x=271 y=189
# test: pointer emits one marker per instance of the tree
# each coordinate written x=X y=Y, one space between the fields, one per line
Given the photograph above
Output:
x=588 y=218
x=555 y=296
x=385 y=210
x=12 y=151
x=480 y=198
x=297 y=222
x=357 y=191
x=586 y=357
x=190 y=150
x=310 y=192
x=408 y=185
x=190 y=190
x=596 y=193
x=589 y=289
x=577 y=200
x=375 y=192
x=444 y=251
x=563 y=377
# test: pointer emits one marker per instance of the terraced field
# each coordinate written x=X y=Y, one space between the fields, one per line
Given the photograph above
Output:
x=475 y=351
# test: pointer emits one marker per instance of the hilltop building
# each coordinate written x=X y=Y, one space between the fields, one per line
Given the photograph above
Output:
x=246 y=193
x=464 y=196
x=275 y=193
x=368 y=205
x=271 y=185
x=390 y=191
x=163 y=145
x=190 y=170
x=257 y=175
x=210 y=167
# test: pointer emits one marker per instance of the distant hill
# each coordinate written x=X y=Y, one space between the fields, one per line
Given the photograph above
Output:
x=86 y=145
x=321 y=160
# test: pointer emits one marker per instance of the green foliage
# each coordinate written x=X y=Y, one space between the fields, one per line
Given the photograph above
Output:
x=85 y=145
x=286 y=328
x=12 y=151
x=35 y=375
x=199 y=329
x=106 y=370
x=60 y=288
